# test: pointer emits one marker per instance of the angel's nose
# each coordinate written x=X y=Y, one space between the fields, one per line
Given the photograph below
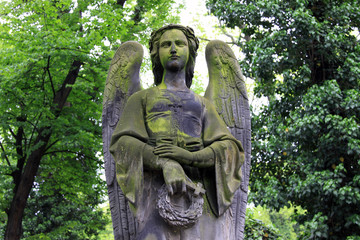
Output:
x=173 y=49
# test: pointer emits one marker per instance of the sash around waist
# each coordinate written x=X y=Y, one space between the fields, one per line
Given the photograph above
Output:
x=191 y=144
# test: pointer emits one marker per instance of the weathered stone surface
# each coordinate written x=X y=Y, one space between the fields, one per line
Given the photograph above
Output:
x=178 y=167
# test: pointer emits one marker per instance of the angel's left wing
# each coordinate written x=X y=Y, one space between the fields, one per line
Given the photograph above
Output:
x=227 y=92
x=122 y=81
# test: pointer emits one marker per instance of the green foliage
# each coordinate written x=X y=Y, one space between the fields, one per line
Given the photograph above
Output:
x=107 y=233
x=256 y=229
x=55 y=57
x=64 y=202
x=282 y=221
x=197 y=86
x=305 y=58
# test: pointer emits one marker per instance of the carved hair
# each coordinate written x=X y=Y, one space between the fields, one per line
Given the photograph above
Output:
x=154 y=42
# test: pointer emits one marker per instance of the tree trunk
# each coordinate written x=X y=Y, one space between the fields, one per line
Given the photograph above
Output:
x=25 y=180
x=16 y=212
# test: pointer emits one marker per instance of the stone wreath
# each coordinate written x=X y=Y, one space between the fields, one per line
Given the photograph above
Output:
x=178 y=216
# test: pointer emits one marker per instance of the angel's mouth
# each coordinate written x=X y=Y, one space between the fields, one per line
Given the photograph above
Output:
x=174 y=57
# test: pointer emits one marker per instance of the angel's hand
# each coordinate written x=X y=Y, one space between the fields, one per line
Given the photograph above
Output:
x=175 y=177
x=176 y=153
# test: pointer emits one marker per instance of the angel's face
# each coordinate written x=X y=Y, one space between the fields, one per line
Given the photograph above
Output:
x=173 y=50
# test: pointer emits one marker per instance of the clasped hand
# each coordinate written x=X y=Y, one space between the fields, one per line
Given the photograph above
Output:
x=176 y=153
x=174 y=175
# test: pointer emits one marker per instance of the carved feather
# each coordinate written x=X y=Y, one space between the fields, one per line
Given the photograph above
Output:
x=122 y=81
x=227 y=91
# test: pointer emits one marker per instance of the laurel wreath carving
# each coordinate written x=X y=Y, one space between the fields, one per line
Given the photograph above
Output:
x=177 y=216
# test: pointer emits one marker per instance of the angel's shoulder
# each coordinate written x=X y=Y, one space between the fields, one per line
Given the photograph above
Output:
x=205 y=101
x=142 y=95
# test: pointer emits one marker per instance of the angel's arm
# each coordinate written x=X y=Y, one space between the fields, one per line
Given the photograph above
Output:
x=202 y=159
x=131 y=132
x=150 y=160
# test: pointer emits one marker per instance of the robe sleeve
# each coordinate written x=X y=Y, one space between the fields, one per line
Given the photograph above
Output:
x=221 y=181
x=127 y=142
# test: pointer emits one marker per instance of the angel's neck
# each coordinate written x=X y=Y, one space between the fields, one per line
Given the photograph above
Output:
x=174 y=80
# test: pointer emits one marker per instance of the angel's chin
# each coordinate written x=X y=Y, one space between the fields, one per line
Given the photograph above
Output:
x=174 y=66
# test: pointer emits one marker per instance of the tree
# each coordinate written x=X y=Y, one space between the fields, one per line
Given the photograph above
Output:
x=55 y=55
x=305 y=58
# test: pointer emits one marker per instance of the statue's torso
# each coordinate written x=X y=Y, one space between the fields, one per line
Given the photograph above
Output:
x=174 y=118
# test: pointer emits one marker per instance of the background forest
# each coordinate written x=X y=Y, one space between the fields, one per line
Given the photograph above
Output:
x=301 y=56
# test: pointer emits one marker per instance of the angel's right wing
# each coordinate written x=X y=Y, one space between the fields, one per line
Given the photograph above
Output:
x=122 y=81
x=227 y=92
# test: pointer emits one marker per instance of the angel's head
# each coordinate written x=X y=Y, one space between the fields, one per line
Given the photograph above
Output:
x=193 y=44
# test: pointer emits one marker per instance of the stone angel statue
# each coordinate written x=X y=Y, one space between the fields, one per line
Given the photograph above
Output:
x=177 y=164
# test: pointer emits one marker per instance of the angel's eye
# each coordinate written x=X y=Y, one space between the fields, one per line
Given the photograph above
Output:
x=180 y=43
x=165 y=44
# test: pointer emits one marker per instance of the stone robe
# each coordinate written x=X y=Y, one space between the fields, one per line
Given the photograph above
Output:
x=185 y=119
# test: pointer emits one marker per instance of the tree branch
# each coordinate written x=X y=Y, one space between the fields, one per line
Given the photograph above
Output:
x=233 y=40
x=222 y=29
x=139 y=9
x=208 y=40
x=35 y=128
x=6 y=158
x=121 y=2
x=60 y=151
x=50 y=145
x=19 y=138
x=204 y=39
x=62 y=94
x=12 y=132
x=72 y=49
x=50 y=77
